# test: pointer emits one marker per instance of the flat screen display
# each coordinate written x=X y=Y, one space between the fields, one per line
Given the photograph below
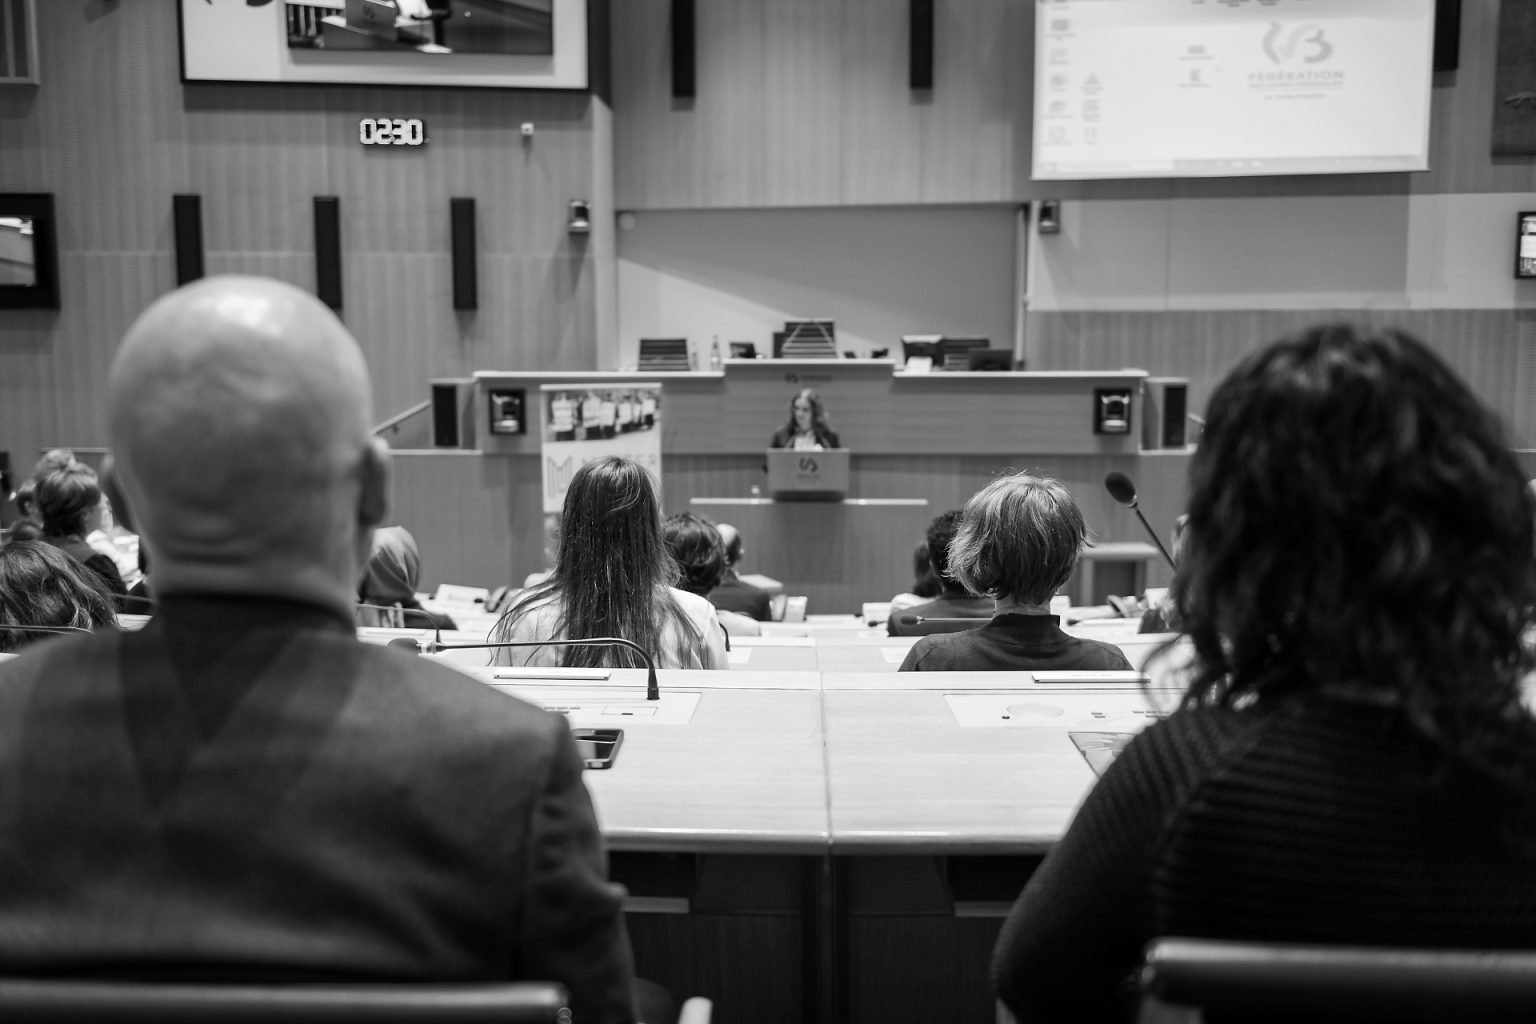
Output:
x=527 y=44
x=1219 y=88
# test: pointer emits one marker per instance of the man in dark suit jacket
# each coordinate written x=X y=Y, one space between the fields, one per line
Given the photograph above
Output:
x=735 y=594
x=242 y=789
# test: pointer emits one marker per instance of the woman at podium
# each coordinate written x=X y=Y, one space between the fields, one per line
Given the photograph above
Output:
x=807 y=428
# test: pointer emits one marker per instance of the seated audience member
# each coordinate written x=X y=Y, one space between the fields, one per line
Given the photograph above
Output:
x=807 y=428
x=1161 y=617
x=1351 y=764
x=925 y=585
x=734 y=594
x=29 y=526
x=1018 y=542
x=953 y=601
x=696 y=547
x=612 y=578
x=42 y=586
x=389 y=584
x=243 y=789
x=69 y=500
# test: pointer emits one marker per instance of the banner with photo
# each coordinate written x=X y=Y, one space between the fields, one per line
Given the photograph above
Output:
x=581 y=422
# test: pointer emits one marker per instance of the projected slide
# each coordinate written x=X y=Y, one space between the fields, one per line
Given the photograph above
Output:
x=1215 y=88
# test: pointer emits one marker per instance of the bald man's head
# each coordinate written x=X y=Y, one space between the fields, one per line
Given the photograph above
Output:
x=241 y=417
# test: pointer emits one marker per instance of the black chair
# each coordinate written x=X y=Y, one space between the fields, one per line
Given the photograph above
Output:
x=1220 y=981
x=65 y=1001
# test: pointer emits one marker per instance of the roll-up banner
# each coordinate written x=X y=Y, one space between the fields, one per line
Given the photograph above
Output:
x=582 y=422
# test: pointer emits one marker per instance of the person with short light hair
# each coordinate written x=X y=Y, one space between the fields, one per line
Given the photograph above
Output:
x=1018 y=543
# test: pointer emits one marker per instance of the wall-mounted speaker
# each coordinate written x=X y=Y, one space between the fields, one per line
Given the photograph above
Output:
x=682 y=49
x=453 y=413
x=466 y=288
x=920 y=58
x=1447 y=53
x=1164 y=412
x=328 y=250
x=187 y=226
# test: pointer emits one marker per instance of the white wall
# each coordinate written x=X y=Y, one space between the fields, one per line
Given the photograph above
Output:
x=879 y=272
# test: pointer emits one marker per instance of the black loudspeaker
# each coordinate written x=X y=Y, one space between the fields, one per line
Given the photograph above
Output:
x=466 y=290
x=1164 y=413
x=187 y=225
x=682 y=49
x=1447 y=35
x=328 y=250
x=452 y=412
x=920 y=59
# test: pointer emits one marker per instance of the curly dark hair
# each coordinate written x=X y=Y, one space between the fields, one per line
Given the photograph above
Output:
x=42 y=586
x=941 y=534
x=696 y=546
x=1359 y=525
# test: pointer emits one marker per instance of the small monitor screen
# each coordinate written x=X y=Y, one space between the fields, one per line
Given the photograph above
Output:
x=994 y=359
x=920 y=346
x=955 y=351
x=1525 y=245
x=18 y=258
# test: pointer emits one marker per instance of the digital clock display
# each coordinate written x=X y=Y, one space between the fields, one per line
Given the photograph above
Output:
x=392 y=131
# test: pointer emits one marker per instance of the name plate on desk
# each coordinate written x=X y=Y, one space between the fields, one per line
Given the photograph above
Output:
x=808 y=475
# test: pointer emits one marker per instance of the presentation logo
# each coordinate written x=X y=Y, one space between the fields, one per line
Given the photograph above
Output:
x=1306 y=42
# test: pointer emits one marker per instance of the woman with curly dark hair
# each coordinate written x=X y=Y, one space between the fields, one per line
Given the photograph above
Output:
x=42 y=586
x=613 y=577
x=1351 y=763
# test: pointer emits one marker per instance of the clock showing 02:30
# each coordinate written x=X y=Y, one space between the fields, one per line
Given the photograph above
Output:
x=391 y=131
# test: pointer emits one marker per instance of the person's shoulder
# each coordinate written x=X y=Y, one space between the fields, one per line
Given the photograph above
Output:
x=1102 y=653
x=694 y=606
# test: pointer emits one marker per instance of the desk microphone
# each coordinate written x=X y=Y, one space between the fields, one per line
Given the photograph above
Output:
x=969 y=622
x=1123 y=490
x=9 y=628
x=652 y=689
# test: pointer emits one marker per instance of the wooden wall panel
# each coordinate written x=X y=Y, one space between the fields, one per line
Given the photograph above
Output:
x=968 y=141
x=114 y=134
x=1494 y=351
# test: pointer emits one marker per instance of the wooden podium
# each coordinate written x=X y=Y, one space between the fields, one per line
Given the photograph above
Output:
x=808 y=475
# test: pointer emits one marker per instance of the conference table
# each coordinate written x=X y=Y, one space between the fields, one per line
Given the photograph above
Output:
x=832 y=845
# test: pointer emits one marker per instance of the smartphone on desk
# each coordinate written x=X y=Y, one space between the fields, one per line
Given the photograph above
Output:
x=598 y=747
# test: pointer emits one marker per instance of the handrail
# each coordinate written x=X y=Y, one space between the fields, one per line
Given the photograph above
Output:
x=393 y=423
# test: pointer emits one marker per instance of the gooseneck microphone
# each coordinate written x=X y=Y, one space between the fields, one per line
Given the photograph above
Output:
x=652 y=688
x=1123 y=490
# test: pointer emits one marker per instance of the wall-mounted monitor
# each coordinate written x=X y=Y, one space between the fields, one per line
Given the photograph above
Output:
x=29 y=266
x=519 y=44
x=1525 y=244
x=1180 y=88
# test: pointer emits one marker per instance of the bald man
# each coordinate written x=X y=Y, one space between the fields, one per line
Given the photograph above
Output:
x=242 y=789
x=735 y=594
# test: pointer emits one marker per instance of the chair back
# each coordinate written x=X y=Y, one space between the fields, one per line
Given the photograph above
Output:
x=65 y=1001
x=1264 y=982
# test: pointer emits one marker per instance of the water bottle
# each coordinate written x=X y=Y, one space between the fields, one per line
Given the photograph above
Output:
x=714 y=353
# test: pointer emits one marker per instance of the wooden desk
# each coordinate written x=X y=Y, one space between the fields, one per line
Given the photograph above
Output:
x=936 y=826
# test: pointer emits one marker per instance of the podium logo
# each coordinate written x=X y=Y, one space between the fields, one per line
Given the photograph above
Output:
x=809 y=465
x=1306 y=42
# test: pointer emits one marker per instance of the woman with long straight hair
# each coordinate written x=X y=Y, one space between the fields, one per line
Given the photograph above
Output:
x=613 y=577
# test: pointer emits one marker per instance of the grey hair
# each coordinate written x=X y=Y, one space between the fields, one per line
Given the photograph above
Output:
x=1019 y=537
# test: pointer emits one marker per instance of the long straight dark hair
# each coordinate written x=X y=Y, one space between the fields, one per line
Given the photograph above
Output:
x=612 y=568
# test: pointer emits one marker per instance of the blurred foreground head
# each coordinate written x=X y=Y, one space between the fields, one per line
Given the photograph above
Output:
x=1358 y=523
x=240 y=413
